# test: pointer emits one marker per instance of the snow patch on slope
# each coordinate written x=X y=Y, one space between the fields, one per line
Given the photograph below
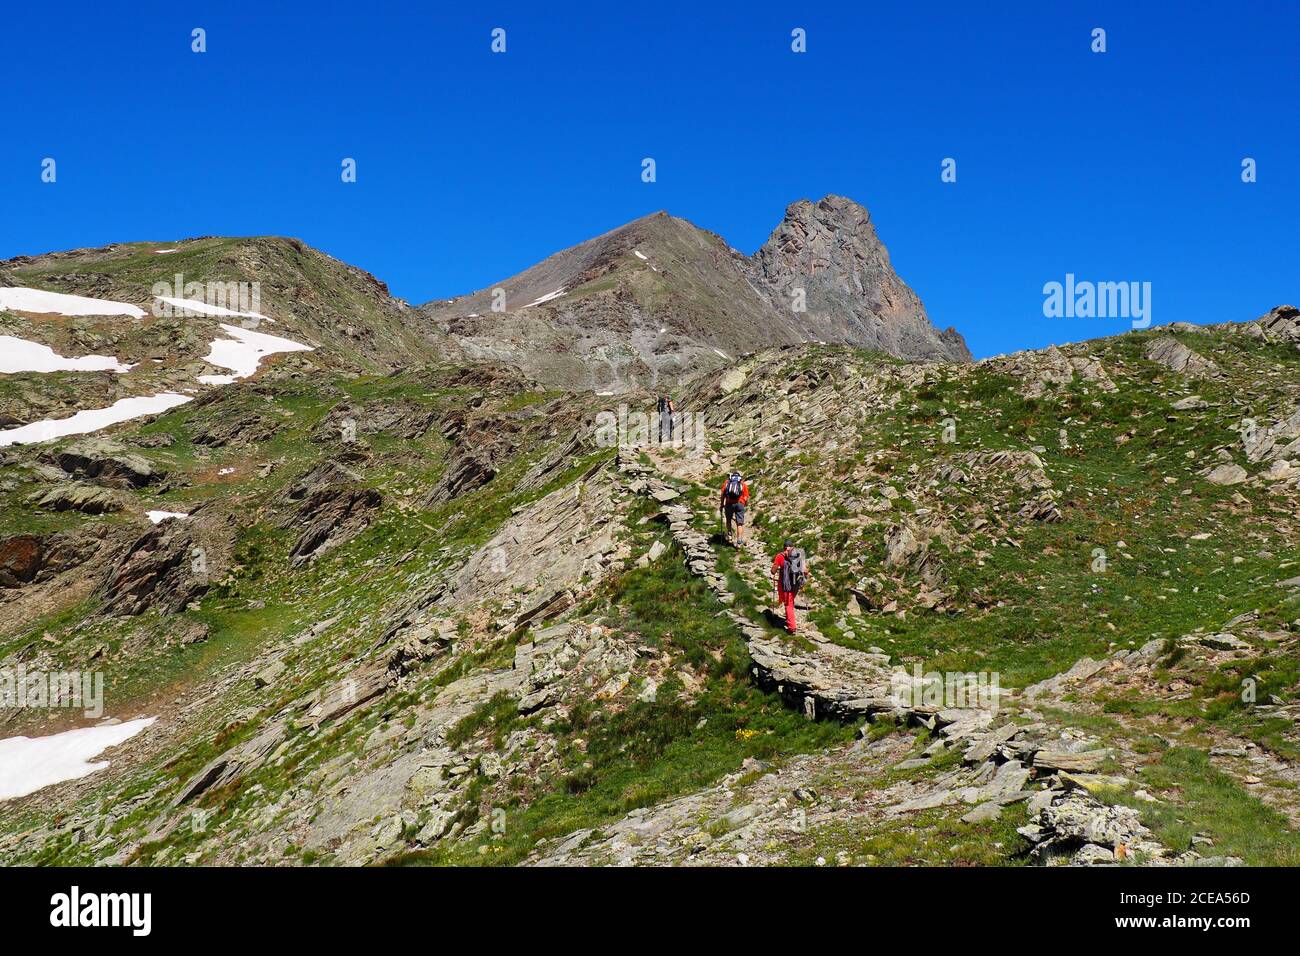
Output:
x=20 y=355
x=28 y=764
x=243 y=352
x=157 y=516
x=20 y=299
x=92 y=419
x=199 y=307
x=546 y=298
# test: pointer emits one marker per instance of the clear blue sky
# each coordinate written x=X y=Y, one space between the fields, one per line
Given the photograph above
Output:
x=471 y=166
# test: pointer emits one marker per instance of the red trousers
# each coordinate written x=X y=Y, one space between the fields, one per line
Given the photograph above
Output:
x=787 y=599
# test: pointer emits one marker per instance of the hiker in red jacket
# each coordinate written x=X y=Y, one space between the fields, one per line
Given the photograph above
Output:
x=735 y=495
x=789 y=575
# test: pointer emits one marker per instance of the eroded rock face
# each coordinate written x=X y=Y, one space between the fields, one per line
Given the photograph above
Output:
x=20 y=560
x=831 y=251
x=168 y=566
x=29 y=558
x=106 y=462
x=331 y=505
x=1170 y=352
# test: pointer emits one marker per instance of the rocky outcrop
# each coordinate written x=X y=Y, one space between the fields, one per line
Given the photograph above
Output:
x=567 y=660
x=331 y=506
x=1051 y=368
x=468 y=470
x=231 y=766
x=398 y=419
x=1227 y=473
x=1075 y=828
x=31 y=558
x=332 y=515
x=106 y=462
x=238 y=431
x=21 y=559
x=1279 y=324
x=1273 y=442
x=84 y=498
x=532 y=563
x=904 y=550
x=830 y=251
x=168 y=566
x=1168 y=351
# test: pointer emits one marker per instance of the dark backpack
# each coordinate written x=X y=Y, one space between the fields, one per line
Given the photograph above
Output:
x=734 y=487
x=794 y=572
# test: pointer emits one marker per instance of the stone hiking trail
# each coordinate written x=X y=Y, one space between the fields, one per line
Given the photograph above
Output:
x=1008 y=759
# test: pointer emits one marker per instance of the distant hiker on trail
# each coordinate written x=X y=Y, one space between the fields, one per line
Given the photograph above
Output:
x=735 y=495
x=789 y=575
x=666 y=410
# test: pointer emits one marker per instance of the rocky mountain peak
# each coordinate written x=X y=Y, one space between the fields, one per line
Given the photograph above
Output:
x=659 y=299
x=830 y=250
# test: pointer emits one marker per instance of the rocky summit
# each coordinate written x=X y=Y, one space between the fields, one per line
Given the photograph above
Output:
x=659 y=299
x=323 y=578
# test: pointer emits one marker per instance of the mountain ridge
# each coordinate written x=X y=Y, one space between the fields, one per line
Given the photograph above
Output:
x=645 y=304
x=678 y=298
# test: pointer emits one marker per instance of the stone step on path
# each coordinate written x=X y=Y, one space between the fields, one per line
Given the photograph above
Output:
x=700 y=557
x=756 y=565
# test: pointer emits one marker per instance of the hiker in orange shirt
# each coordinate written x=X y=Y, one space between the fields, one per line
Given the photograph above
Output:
x=789 y=575
x=735 y=495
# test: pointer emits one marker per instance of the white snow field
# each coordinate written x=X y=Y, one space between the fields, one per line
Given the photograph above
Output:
x=546 y=298
x=19 y=299
x=28 y=764
x=92 y=419
x=20 y=355
x=202 y=308
x=242 y=353
x=157 y=516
